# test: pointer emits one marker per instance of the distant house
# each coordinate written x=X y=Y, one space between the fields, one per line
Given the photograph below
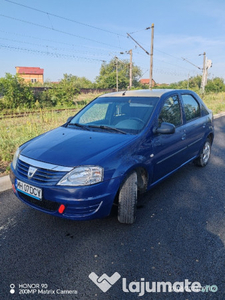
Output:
x=146 y=82
x=31 y=74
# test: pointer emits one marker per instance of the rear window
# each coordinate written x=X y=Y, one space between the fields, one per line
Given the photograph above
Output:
x=191 y=107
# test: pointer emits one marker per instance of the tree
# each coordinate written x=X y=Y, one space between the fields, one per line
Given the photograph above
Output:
x=76 y=82
x=64 y=92
x=107 y=76
x=193 y=83
x=15 y=92
x=215 y=85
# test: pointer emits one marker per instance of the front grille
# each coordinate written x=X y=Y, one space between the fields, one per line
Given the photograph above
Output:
x=48 y=177
x=45 y=204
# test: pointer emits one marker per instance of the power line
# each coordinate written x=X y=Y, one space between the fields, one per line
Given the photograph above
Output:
x=139 y=30
x=53 y=54
x=64 y=18
x=54 y=47
x=191 y=63
x=51 y=28
x=138 y=44
x=173 y=56
x=173 y=64
x=179 y=58
x=168 y=63
x=57 y=30
x=67 y=33
x=51 y=41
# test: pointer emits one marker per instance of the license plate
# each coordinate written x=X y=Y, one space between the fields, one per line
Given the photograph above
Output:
x=29 y=190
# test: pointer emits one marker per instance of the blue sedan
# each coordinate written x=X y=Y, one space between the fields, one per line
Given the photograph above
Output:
x=118 y=146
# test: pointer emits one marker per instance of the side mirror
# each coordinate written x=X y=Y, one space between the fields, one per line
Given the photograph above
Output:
x=69 y=119
x=165 y=128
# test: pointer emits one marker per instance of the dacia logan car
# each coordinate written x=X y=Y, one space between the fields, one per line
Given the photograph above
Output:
x=119 y=145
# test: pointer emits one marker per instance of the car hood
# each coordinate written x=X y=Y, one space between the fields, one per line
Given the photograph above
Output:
x=72 y=147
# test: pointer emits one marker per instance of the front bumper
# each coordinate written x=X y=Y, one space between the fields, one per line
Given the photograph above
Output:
x=81 y=203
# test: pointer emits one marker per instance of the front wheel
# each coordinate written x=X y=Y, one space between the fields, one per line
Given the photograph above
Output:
x=127 y=202
x=204 y=156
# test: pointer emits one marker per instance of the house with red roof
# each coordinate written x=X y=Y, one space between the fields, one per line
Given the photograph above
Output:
x=31 y=74
x=146 y=82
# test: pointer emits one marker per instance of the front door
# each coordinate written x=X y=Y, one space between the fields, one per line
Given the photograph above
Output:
x=169 y=149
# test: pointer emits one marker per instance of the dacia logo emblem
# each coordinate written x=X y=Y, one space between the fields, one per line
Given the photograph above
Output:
x=31 y=172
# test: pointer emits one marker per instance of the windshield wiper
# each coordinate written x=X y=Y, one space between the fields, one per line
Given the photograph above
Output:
x=105 y=127
x=79 y=125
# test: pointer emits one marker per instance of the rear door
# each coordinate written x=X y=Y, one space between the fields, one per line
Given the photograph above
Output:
x=195 y=126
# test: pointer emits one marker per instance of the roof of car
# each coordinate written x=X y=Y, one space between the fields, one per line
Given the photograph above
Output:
x=139 y=93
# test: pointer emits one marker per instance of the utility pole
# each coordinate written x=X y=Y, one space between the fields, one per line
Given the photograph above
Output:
x=151 y=54
x=204 y=73
x=116 y=58
x=207 y=63
x=151 y=58
x=208 y=66
x=131 y=65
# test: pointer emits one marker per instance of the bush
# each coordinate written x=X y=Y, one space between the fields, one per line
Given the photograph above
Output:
x=215 y=85
x=16 y=93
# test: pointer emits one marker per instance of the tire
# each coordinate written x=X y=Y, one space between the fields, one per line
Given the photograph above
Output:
x=203 y=158
x=127 y=200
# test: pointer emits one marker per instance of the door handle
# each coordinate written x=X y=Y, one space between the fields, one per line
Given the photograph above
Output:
x=158 y=143
x=183 y=136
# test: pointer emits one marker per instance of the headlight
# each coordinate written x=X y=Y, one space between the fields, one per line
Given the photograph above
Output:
x=80 y=176
x=15 y=158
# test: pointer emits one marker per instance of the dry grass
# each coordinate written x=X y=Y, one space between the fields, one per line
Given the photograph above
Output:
x=215 y=102
x=16 y=131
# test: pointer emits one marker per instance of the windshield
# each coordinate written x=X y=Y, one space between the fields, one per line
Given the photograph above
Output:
x=116 y=114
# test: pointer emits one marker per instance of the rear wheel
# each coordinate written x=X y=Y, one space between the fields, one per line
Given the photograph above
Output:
x=127 y=201
x=203 y=159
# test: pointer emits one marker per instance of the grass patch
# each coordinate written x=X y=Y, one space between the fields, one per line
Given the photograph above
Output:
x=215 y=102
x=16 y=131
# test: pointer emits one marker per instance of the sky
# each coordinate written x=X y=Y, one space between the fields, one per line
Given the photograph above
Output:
x=77 y=37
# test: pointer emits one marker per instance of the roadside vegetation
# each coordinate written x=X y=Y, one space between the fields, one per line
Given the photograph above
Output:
x=57 y=102
x=16 y=131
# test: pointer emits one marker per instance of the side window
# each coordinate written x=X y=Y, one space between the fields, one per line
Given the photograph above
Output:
x=191 y=107
x=171 y=111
